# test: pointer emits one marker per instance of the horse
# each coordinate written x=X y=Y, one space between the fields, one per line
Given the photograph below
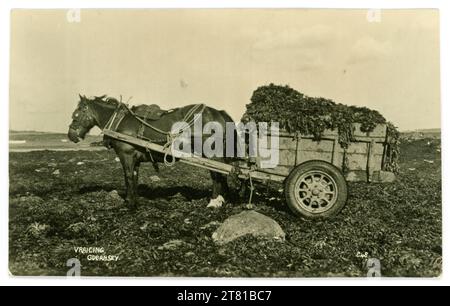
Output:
x=99 y=111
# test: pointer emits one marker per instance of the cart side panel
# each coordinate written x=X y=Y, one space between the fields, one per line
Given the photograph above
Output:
x=287 y=158
x=289 y=143
x=358 y=153
x=309 y=149
x=363 y=157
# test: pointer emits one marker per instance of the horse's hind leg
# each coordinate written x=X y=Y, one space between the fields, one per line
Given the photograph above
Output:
x=220 y=188
x=130 y=170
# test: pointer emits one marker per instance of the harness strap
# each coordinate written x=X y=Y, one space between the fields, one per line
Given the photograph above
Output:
x=199 y=108
x=119 y=114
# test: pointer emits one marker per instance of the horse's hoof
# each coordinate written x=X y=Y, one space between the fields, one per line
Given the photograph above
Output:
x=216 y=203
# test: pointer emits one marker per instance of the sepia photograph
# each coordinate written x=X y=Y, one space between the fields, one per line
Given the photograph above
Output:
x=225 y=143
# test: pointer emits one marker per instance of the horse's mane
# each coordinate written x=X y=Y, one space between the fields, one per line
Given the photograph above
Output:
x=105 y=100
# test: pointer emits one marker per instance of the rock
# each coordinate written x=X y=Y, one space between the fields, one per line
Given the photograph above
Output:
x=155 y=178
x=56 y=172
x=114 y=195
x=117 y=159
x=248 y=223
x=52 y=165
x=80 y=163
x=171 y=245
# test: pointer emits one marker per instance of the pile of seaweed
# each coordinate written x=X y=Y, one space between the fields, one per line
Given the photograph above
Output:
x=297 y=112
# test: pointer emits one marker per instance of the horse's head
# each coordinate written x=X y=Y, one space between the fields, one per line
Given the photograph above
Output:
x=83 y=120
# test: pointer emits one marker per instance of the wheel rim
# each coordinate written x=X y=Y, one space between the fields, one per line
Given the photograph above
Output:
x=316 y=191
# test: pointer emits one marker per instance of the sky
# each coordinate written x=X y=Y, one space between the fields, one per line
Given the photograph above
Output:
x=386 y=60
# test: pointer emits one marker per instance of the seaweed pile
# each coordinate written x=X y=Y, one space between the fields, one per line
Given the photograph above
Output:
x=297 y=112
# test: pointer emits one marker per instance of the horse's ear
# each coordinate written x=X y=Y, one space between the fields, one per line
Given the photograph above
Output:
x=81 y=97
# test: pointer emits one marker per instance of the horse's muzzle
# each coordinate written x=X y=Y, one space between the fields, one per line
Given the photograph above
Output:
x=73 y=135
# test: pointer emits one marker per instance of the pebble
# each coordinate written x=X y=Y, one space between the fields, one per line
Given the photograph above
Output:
x=171 y=245
x=155 y=178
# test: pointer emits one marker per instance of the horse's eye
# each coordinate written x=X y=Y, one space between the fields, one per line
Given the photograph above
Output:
x=76 y=115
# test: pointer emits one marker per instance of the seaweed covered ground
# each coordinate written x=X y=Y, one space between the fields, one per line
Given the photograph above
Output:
x=62 y=203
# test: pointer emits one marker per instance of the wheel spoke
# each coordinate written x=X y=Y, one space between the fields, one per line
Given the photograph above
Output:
x=304 y=182
x=326 y=202
x=322 y=179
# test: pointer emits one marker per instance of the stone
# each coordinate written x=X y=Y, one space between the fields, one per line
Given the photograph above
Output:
x=154 y=178
x=114 y=195
x=171 y=245
x=56 y=172
x=248 y=223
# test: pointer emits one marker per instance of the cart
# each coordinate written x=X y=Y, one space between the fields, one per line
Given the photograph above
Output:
x=314 y=172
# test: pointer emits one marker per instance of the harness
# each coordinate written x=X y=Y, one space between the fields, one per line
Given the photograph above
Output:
x=122 y=109
x=87 y=112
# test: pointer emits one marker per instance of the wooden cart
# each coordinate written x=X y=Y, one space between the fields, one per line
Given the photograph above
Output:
x=314 y=173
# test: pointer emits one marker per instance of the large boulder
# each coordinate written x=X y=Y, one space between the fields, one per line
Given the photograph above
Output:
x=248 y=223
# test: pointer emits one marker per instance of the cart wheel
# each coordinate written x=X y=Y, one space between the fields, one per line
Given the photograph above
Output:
x=316 y=189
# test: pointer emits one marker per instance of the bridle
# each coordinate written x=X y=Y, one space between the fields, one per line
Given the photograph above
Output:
x=85 y=114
